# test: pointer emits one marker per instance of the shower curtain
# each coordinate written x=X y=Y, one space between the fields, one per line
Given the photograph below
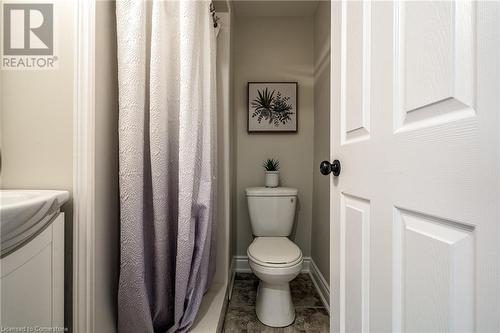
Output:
x=167 y=139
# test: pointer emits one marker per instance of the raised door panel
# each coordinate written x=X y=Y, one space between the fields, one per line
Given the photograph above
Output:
x=434 y=74
x=355 y=76
x=433 y=274
x=355 y=263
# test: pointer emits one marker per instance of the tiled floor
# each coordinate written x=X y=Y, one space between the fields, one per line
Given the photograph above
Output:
x=311 y=315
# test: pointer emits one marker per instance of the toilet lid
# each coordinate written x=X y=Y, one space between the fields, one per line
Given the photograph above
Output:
x=274 y=250
x=271 y=192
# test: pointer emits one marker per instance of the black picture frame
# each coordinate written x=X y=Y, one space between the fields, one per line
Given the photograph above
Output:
x=287 y=88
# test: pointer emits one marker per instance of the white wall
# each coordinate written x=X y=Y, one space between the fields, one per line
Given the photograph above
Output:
x=320 y=243
x=107 y=230
x=37 y=127
x=274 y=49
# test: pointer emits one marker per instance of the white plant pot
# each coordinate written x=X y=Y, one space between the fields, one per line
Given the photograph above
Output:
x=272 y=178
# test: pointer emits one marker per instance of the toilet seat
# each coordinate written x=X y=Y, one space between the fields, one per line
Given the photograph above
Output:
x=276 y=252
x=275 y=261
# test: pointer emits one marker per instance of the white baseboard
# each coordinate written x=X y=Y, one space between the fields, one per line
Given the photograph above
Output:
x=321 y=284
x=240 y=265
x=231 y=281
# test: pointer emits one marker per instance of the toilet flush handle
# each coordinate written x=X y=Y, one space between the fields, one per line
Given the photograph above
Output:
x=326 y=168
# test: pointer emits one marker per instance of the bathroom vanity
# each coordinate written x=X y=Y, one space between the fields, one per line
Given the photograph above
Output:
x=32 y=262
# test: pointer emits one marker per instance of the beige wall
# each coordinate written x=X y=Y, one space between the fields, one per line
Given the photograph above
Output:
x=107 y=229
x=233 y=144
x=224 y=125
x=37 y=128
x=274 y=49
x=37 y=119
x=320 y=244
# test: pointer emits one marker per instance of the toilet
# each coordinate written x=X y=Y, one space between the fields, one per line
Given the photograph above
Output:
x=273 y=258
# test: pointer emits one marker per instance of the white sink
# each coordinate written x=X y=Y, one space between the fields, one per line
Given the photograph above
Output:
x=23 y=213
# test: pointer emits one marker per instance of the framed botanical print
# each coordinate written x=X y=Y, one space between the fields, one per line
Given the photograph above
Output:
x=272 y=107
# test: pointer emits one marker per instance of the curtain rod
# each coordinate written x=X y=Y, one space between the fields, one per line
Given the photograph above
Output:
x=215 y=18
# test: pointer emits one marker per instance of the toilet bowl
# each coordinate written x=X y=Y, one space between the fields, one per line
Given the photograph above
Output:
x=273 y=258
x=275 y=261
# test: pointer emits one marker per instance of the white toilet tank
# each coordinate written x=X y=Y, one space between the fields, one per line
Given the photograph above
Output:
x=272 y=210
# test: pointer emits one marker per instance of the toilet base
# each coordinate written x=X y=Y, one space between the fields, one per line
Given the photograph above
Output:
x=274 y=305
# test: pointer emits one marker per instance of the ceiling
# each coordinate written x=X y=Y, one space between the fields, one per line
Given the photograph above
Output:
x=274 y=7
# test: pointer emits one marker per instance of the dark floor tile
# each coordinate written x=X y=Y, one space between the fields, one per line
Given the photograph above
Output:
x=311 y=316
x=310 y=320
x=243 y=319
x=304 y=293
x=245 y=276
x=307 y=320
x=244 y=293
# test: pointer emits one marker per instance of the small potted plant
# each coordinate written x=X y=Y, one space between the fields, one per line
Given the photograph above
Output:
x=272 y=167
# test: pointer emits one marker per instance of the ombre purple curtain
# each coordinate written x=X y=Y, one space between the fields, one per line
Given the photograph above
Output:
x=167 y=89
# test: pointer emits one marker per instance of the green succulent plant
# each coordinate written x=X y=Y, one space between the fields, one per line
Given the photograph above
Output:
x=271 y=164
x=265 y=100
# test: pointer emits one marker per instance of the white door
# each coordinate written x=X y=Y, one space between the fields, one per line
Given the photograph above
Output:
x=415 y=124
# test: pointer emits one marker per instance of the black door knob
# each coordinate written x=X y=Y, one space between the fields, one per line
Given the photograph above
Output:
x=326 y=167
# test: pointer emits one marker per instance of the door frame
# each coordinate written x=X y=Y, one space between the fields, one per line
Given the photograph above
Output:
x=335 y=8
x=83 y=167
